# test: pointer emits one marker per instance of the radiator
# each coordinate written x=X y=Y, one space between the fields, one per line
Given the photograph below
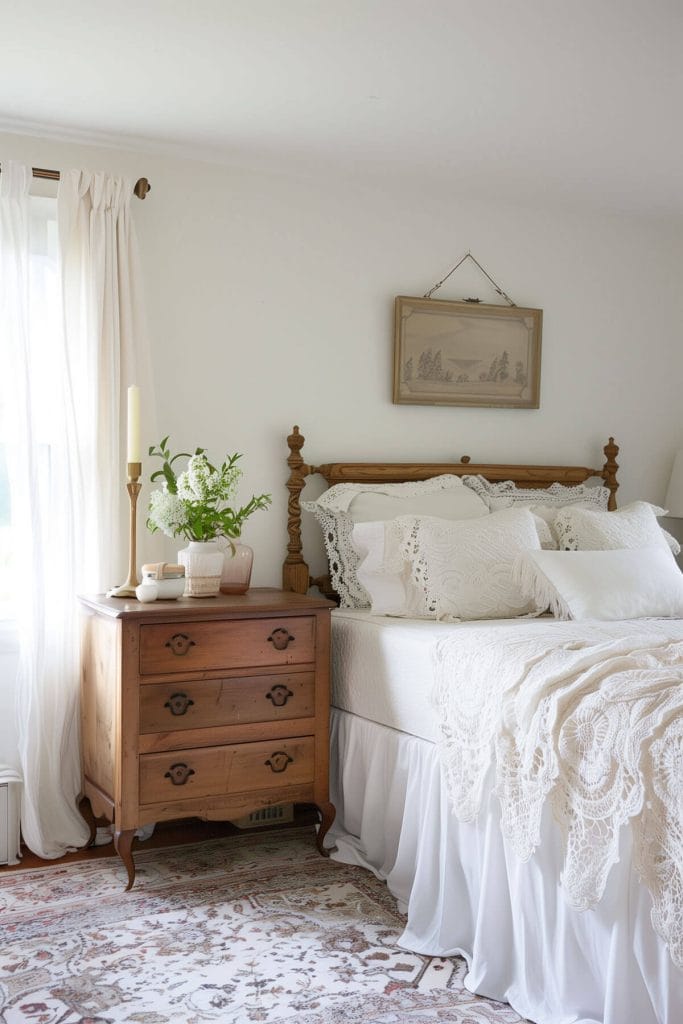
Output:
x=10 y=807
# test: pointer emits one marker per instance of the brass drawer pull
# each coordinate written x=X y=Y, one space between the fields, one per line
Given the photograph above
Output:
x=178 y=703
x=179 y=644
x=280 y=638
x=179 y=774
x=278 y=761
x=279 y=695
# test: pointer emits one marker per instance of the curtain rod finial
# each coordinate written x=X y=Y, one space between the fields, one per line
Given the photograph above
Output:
x=142 y=187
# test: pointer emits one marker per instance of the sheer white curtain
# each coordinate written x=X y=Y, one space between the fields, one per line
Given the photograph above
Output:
x=66 y=378
x=106 y=348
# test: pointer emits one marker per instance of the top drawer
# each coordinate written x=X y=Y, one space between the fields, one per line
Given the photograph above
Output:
x=238 y=643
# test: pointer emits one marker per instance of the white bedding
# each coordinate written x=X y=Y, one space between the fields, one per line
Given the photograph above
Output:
x=464 y=887
x=383 y=668
x=586 y=717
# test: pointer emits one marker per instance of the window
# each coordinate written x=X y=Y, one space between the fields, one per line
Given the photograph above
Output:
x=45 y=321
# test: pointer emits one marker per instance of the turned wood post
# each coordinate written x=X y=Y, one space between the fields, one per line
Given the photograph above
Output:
x=295 y=573
x=609 y=472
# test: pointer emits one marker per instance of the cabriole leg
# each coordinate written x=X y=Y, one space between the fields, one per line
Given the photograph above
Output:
x=123 y=842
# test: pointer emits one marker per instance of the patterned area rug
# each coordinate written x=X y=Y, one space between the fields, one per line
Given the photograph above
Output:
x=246 y=928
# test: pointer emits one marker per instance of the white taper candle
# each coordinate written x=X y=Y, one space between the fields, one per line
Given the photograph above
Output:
x=134 y=452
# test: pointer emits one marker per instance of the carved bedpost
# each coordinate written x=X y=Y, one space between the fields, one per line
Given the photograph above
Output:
x=609 y=472
x=295 y=574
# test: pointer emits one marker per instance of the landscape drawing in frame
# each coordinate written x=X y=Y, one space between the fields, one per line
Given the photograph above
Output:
x=466 y=353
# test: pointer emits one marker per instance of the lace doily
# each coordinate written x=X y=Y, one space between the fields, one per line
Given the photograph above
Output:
x=659 y=846
x=588 y=718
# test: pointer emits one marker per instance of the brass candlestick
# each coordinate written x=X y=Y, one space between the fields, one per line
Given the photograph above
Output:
x=133 y=487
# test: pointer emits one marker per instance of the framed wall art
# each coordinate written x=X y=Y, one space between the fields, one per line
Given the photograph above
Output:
x=466 y=353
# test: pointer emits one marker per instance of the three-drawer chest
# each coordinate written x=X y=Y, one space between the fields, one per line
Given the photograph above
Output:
x=204 y=707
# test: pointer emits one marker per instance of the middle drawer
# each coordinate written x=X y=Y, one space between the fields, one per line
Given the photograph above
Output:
x=165 y=707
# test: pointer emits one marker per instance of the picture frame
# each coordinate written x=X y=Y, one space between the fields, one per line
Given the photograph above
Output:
x=466 y=353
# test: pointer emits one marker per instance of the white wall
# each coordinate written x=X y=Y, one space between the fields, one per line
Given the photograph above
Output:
x=282 y=289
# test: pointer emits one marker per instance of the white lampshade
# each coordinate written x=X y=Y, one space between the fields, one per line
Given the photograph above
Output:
x=674 y=495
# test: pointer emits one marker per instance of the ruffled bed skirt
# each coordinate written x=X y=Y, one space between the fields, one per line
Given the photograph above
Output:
x=466 y=892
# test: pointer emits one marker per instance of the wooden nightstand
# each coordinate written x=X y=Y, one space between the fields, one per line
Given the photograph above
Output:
x=204 y=707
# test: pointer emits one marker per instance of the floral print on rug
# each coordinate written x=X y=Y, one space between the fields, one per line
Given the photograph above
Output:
x=248 y=928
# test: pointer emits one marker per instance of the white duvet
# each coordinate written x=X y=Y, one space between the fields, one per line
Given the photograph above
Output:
x=587 y=717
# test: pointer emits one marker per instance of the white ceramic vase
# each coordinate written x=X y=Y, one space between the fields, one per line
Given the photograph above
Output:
x=203 y=561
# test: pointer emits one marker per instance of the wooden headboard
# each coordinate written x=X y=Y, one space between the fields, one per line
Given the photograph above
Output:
x=295 y=571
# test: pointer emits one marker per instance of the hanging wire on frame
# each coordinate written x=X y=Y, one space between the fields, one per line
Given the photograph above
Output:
x=469 y=256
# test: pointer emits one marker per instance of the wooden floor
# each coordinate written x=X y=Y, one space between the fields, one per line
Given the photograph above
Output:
x=168 y=833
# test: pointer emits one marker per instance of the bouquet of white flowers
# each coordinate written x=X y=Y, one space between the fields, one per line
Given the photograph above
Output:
x=196 y=503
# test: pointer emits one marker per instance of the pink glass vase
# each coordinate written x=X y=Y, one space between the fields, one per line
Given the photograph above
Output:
x=237 y=566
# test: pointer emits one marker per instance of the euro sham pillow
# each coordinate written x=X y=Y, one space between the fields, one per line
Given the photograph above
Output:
x=340 y=507
x=543 y=502
x=506 y=493
x=463 y=570
x=633 y=526
x=621 y=583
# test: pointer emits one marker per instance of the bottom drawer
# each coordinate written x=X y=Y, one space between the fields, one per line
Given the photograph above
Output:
x=234 y=768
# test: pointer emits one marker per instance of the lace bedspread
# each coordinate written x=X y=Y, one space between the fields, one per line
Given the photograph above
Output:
x=588 y=716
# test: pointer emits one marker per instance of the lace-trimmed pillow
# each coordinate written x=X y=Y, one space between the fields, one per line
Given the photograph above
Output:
x=507 y=493
x=543 y=502
x=464 y=570
x=385 y=572
x=633 y=526
x=339 y=508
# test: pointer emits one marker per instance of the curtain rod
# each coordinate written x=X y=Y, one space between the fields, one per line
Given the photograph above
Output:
x=140 y=189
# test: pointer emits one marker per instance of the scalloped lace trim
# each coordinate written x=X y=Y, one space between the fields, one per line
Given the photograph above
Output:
x=496 y=494
x=342 y=557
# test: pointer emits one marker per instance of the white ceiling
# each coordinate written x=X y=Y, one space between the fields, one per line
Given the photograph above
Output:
x=564 y=100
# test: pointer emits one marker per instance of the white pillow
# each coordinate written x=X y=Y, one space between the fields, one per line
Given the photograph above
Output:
x=340 y=507
x=544 y=518
x=627 y=583
x=385 y=573
x=633 y=526
x=463 y=570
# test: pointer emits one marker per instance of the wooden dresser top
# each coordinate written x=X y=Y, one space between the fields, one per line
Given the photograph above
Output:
x=257 y=601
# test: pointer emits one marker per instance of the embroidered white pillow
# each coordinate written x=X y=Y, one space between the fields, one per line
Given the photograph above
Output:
x=633 y=526
x=626 y=583
x=340 y=507
x=465 y=569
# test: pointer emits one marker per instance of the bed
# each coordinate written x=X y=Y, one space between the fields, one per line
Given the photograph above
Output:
x=567 y=916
